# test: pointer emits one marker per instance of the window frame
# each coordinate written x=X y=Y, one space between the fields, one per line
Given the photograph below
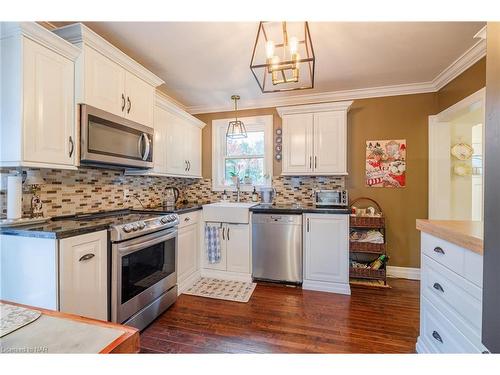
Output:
x=219 y=128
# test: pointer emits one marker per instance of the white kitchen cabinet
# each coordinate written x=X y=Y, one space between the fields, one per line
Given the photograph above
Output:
x=188 y=250
x=235 y=253
x=193 y=151
x=83 y=279
x=37 y=98
x=160 y=140
x=326 y=253
x=176 y=154
x=238 y=248
x=315 y=139
x=110 y=80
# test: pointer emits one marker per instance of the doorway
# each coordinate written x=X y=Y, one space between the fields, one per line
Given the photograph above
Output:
x=456 y=140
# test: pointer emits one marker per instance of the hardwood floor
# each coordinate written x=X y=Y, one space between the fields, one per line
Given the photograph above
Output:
x=279 y=319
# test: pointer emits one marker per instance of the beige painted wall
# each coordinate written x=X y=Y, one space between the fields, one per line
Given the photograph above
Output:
x=397 y=117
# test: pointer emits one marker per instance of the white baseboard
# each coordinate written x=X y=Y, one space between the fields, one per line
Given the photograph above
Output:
x=321 y=286
x=226 y=275
x=183 y=285
x=403 y=272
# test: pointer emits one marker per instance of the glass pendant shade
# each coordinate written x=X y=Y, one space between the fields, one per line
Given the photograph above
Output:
x=236 y=128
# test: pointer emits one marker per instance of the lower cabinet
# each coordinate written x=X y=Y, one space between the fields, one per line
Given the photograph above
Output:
x=188 y=249
x=83 y=277
x=235 y=249
x=326 y=253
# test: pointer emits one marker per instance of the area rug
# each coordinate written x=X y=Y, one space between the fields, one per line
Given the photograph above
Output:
x=14 y=317
x=237 y=291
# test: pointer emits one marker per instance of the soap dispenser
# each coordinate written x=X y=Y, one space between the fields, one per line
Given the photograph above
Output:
x=255 y=196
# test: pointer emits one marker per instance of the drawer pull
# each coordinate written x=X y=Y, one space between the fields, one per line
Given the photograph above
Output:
x=438 y=286
x=437 y=336
x=438 y=250
x=187 y=219
x=86 y=257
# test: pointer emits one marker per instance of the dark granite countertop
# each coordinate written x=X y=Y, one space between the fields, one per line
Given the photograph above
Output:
x=298 y=209
x=69 y=226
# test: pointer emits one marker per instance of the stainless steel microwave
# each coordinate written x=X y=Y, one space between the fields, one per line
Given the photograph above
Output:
x=108 y=139
x=337 y=198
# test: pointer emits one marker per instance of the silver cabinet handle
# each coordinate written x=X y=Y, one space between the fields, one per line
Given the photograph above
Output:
x=307 y=225
x=129 y=104
x=437 y=336
x=315 y=162
x=187 y=219
x=310 y=162
x=144 y=138
x=438 y=286
x=228 y=233
x=72 y=148
x=223 y=229
x=123 y=102
x=186 y=165
x=86 y=257
x=438 y=250
x=189 y=165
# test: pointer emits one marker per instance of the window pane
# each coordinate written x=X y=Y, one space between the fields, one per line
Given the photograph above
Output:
x=253 y=144
x=252 y=168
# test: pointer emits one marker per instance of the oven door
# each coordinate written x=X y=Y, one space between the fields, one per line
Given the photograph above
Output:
x=113 y=140
x=143 y=269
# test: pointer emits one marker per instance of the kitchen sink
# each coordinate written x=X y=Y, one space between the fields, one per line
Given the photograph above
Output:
x=227 y=212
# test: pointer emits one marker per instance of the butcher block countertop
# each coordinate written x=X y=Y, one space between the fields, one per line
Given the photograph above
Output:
x=467 y=234
x=57 y=332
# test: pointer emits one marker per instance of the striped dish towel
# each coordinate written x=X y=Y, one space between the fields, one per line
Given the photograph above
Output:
x=212 y=242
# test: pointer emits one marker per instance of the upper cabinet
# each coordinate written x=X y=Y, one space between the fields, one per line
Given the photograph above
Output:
x=177 y=142
x=110 y=80
x=315 y=139
x=37 y=122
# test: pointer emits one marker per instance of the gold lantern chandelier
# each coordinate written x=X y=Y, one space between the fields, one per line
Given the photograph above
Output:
x=283 y=57
x=236 y=128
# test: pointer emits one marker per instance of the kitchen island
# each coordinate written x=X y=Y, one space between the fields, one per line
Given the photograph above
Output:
x=57 y=332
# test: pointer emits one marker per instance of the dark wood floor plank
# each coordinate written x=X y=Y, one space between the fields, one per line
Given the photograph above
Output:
x=279 y=319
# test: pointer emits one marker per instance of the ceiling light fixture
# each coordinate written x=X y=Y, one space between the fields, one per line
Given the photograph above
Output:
x=236 y=129
x=283 y=57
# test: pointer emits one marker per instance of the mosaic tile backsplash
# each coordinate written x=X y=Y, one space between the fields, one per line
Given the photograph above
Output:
x=69 y=192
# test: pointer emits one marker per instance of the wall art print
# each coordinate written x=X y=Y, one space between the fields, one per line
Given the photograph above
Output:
x=386 y=163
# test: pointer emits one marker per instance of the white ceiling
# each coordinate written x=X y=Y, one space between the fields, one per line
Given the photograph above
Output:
x=204 y=63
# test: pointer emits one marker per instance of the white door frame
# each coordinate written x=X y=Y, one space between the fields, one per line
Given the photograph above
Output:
x=439 y=159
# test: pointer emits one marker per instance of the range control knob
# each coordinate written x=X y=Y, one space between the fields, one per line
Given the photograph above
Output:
x=127 y=228
x=141 y=225
x=164 y=219
x=135 y=227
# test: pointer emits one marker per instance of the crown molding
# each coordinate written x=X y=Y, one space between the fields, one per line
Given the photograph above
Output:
x=163 y=102
x=460 y=65
x=79 y=34
x=41 y=35
x=457 y=67
x=321 y=107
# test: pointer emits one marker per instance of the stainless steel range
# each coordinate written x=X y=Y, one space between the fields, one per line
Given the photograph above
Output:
x=143 y=269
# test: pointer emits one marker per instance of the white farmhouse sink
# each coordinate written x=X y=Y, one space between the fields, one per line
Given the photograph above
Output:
x=227 y=212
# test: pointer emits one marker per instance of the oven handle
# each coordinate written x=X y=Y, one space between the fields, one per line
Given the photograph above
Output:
x=123 y=249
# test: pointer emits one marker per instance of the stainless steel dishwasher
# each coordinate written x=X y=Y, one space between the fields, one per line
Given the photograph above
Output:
x=277 y=247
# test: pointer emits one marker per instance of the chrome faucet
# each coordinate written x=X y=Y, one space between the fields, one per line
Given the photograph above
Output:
x=238 y=189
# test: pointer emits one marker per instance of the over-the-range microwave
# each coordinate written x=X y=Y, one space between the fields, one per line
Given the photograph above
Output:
x=108 y=139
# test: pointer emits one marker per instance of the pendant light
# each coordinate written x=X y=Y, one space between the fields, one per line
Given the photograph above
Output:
x=283 y=57
x=236 y=129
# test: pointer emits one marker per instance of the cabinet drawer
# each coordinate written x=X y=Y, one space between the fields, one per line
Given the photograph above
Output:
x=443 y=252
x=438 y=330
x=454 y=296
x=189 y=218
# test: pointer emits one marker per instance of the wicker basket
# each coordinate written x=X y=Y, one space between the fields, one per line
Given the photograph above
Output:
x=367 y=247
x=367 y=273
x=367 y=222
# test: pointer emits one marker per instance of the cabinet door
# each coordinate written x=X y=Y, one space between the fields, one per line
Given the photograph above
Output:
x=297 y=143
x=330 y=139
x=193 y=150
x=104 y=83
x=188 y=252
x=48 y=84
x=140 y=100
x=326 y=250
x=176 y=149
x=238 y=247
x=160 y=140
x=221 y=266
x=83 y=265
